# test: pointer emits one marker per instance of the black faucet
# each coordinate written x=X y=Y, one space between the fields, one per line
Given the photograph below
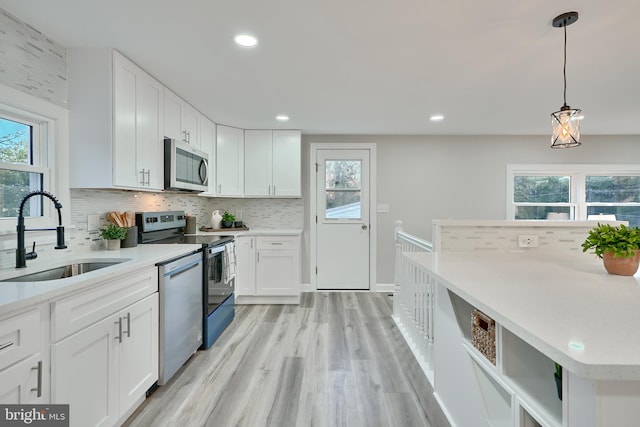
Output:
x=21 y=255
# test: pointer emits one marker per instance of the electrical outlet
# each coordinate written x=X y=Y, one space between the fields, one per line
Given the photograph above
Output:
x=527 y=241
x=93 y=222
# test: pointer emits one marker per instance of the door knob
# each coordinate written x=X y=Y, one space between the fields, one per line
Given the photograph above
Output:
x=364 y=226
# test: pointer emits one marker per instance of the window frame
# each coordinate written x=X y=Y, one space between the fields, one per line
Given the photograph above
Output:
x=577 y=174
x=50 y=150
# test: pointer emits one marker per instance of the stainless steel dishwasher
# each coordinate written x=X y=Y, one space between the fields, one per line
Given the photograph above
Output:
x=180 y=289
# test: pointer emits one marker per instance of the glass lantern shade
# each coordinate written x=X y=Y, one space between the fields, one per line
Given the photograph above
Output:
x=566 y=128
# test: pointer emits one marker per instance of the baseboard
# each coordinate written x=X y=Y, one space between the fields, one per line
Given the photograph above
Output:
x=250 y=299
x=380 y=287
x=385 y=287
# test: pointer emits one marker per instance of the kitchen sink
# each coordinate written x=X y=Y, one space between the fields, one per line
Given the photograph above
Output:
x=65 y=271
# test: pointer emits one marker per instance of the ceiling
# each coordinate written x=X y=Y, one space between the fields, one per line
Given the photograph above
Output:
x=372 y=66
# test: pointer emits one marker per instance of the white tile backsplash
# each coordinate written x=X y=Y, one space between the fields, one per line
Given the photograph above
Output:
x=31 y=62
x=450 y=236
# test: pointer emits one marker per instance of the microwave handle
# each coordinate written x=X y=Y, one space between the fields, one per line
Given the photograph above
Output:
x=205 y=166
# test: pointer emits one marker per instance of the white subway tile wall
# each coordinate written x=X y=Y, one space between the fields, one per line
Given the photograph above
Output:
x=31 y=62
x=256 y=214
x=504 y=238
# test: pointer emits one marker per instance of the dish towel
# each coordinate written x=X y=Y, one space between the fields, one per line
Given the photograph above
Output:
x=230 y=261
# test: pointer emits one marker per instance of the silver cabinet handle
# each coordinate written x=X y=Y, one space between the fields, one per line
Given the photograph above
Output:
x=252 y=243
x=119 y=337
x=6 y=345
x=269 y=189
x=274 y=190
x=142 y=173
x=128 y=331
x=219 y=188
x=148 y=183
x=38 y=389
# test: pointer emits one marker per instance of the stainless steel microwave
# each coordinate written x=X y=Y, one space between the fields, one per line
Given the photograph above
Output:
x=186 y=168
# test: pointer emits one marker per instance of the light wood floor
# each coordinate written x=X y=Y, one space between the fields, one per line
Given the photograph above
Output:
x=337 y=359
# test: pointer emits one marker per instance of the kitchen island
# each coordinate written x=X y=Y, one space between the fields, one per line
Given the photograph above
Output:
x=561 y=308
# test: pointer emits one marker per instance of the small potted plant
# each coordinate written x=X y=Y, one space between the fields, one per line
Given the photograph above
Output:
x=227 y=219
x=558 y=377
x=618 y=246
x=113 y=234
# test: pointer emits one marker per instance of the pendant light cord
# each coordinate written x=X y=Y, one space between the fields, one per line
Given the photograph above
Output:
x=564 y=67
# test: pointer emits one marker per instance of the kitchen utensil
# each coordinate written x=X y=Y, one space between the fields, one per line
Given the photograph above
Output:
x=115 y=218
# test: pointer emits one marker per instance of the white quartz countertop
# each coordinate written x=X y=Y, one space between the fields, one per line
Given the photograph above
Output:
x=15 y=295
x=255 y=232
x=566 y=306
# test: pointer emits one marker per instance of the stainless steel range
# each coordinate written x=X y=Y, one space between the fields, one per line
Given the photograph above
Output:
x=216 y=283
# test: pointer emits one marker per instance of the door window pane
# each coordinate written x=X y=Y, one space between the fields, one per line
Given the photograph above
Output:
x=613 y=189
x=541 y=189
x=343 y=182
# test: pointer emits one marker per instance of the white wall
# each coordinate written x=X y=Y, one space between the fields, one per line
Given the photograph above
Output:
x=458 y=177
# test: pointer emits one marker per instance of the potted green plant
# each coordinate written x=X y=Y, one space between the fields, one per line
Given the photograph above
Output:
x=227 y=219
x=558 y=377
x=618 y=246
x=113 y=234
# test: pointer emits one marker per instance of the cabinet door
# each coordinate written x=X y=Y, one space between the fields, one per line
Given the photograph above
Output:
x=257 y=162
x=149 y=139
x=286 y=163
x=245 y=265
x=208 y=145
x=19 y=383
x=85 y=374
x=190 y=124
x=229 y=161
x=138 y=351
x=124 y=122
x=277 y=272
x=172 y=115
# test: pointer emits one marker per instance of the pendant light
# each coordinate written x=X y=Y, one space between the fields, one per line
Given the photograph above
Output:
x=565 y=123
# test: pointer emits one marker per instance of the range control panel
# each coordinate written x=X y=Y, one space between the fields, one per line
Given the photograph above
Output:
x=155 y=221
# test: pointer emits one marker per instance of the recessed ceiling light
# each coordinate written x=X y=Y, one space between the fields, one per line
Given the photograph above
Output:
x=282 y=118
x=436 y=118
x=245 y=40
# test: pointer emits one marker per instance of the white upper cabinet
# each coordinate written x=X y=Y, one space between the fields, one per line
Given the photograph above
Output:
x=207 y=135
x=181 y=120
x=258 y=169
x=115 y=122
x=229 y=161
x=272 y=163
x=286 y=163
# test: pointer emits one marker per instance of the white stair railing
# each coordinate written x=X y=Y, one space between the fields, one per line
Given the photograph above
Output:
x=413 y=298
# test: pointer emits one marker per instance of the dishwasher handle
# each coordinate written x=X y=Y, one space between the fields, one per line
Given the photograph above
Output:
x=179 y=270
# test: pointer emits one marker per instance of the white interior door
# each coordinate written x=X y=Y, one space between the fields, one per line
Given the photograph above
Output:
x=342 y=219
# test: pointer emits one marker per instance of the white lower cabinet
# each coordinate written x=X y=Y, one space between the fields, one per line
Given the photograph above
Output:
x=104 y=369
x=24 y=359
x=268 y=269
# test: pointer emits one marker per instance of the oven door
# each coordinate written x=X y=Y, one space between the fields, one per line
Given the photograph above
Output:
x=217 y=290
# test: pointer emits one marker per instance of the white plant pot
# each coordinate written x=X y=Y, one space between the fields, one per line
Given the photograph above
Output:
x=112 y=244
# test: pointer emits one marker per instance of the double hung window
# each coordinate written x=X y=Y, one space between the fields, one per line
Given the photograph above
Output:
x=576 y=192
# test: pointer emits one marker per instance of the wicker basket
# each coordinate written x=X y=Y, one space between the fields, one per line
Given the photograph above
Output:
x=483 y=334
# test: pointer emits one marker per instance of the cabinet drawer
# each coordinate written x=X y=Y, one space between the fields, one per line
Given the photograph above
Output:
x=85 y=308
x=277 y=242
x=19 y=337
